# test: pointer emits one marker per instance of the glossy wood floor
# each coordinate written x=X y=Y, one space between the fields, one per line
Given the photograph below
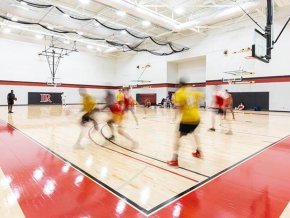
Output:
x=141 y=174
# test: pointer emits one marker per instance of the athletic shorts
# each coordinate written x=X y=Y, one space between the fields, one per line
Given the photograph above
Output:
x=87 y=117
x=187 y=128
x=218 y=110
x=117 y=118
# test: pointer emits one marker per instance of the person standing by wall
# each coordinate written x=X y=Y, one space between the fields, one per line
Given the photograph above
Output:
x=10 y=100
x=63 y=97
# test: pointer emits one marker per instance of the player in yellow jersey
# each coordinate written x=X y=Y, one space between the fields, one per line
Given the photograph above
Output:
x=89 y=107
x=187 y=102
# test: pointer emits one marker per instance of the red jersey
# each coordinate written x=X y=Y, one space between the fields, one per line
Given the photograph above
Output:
x=127 y=102
x=115 y=108
x=219 y=101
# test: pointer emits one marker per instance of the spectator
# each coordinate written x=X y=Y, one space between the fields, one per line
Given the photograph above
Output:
x=10 y=100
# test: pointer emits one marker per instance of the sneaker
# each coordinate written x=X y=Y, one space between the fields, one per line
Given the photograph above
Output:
x=212 y=129
x=173 y=163
x=111 y=138
x=229 y=132
x=197 y=154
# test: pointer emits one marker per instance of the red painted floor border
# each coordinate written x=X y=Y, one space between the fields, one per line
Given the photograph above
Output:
x=49 y=187
x=259 y=187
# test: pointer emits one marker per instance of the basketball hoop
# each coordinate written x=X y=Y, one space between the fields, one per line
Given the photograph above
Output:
x=53 y=82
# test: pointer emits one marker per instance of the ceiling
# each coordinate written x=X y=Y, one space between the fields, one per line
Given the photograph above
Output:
x=166 y=20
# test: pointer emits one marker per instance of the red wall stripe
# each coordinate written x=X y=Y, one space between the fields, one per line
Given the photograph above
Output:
x=273 y=79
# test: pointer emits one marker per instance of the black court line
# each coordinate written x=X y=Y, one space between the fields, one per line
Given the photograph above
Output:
x=83 y=171
x=132 y=203
x=147 y=156
x=212 y=177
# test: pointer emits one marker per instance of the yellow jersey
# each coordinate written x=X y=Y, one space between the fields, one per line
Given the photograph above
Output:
x=88 y=103
x=120 y=96
x=188 y=101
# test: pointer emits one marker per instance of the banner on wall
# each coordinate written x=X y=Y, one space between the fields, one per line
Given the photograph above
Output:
x=44 y=98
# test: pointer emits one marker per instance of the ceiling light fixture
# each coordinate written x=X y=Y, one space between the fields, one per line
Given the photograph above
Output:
x=23 y=3
x=66 y=15
x=90 y=47
x=146 y=23
x=179 y=11
x=38 y=36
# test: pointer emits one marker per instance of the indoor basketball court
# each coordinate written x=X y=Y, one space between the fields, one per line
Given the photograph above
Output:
x=144 y=108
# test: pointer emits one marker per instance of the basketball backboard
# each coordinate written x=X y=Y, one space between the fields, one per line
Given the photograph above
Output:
x=259 y=48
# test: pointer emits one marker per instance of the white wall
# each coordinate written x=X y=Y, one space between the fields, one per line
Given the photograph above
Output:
x=126 y=70
x=233 y=39
x=194 y=70
x=20 y=62
x=172 y=72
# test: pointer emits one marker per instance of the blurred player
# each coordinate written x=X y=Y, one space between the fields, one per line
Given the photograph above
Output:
x=187 y=101
x=63 y=99
x=228 y=104
x=117 y=116
x=218 y=103
x=89 y=107
x=147 y=105
x=120 y=96
x=129 y=104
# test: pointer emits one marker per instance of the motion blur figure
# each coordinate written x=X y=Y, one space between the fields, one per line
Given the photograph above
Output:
x=129 y=104
x=217 y=106
x=147 y=105
x=89 y=107
x=120 y=97
x=228 y=104
x=63 y=99
x=117 y=117
x=219 y=109
x=187 y=102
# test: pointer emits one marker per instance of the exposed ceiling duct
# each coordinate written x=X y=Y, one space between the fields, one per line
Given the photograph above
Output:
x=141 y=12
x=172 y=25
x=220 y=15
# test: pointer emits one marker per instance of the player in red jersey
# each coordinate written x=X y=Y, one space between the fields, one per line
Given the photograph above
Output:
x=129 y=104
x=217 y=103
x=228 y=104
x=219 y=108
x=117 y=116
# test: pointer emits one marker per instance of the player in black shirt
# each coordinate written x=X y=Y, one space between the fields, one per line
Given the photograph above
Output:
x=10 y=100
